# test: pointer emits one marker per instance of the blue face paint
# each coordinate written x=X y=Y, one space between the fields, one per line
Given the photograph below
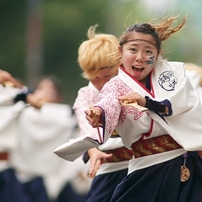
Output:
x=151 y=61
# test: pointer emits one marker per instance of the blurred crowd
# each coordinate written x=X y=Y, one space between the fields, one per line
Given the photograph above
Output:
x=33 y=123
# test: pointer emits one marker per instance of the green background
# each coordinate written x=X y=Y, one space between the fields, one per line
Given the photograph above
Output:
x=42 y=37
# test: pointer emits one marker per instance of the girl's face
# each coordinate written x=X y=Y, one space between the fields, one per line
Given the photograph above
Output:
x=138 y=57
x=47 y=91
x=103 y=77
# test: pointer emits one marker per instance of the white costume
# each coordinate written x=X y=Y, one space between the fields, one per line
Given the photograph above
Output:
x=195 y=78
x=35 y=134
x=168 y=80
x=9 y=113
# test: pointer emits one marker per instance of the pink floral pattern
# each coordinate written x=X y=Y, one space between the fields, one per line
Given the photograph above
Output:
x=129 y=110
x=86 y=96
x=115 y=113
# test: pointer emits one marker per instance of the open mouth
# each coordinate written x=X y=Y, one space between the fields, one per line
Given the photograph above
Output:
x=137 y=70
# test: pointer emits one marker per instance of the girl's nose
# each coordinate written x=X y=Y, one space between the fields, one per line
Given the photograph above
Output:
x=139 y=57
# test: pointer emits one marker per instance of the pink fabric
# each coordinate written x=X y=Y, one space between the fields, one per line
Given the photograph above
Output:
x=86 y=96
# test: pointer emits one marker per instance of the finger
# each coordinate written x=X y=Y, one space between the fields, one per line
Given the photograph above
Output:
x=16 y=83
x=108 y=156
x=122 y=98
x=87 y=112
x=91 y=173
x=89 y=115
x=7 y=78
x=92 y=121
x=93 y=115
x=97 y=166
x=92 y=168
x=88 y=118
x=100 y=124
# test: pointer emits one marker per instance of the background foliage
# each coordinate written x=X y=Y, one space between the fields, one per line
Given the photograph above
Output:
x=42 y=37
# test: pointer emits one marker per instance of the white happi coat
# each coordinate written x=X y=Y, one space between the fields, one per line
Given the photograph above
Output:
x=168 y=81
x=8 y=114
x=195 y=78
x=8 y=117
x=87 y=95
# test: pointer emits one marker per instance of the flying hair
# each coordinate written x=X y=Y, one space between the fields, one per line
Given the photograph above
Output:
x=164 y=26
x=91 y=31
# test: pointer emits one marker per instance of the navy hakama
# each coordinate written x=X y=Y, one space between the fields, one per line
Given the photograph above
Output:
x=10 y=189
x=161 y=183
x=104 y=185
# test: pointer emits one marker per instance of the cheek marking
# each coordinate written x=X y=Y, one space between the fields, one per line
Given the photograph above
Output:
x=151 y=61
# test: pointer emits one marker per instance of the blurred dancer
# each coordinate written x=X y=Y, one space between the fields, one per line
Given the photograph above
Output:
x=109 y=162
x=38 y=128
x=10 y=188
x=41 y=127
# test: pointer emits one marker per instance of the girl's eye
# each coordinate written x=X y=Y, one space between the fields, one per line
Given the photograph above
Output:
x=132 y=49
x=148 y=51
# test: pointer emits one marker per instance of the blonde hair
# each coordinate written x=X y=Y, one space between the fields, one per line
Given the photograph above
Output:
x=95 y=54
x=196 y=68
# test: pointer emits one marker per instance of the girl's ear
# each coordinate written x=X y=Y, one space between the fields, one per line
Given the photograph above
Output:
x=120 y=50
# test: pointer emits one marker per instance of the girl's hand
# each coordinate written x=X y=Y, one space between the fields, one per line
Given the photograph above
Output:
x=35 y=100
x=96 y=157
x=133 y=97
x=93 y=115
x=7 y=79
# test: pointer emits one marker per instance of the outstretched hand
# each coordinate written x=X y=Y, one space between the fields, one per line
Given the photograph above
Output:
x=7 y=79
x=35 y=100
x=96 y=158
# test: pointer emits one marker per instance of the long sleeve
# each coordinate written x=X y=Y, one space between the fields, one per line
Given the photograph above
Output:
x=110 y=104
x=86 y=96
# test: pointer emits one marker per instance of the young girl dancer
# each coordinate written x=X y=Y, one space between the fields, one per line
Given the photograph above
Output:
x=165 y=139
